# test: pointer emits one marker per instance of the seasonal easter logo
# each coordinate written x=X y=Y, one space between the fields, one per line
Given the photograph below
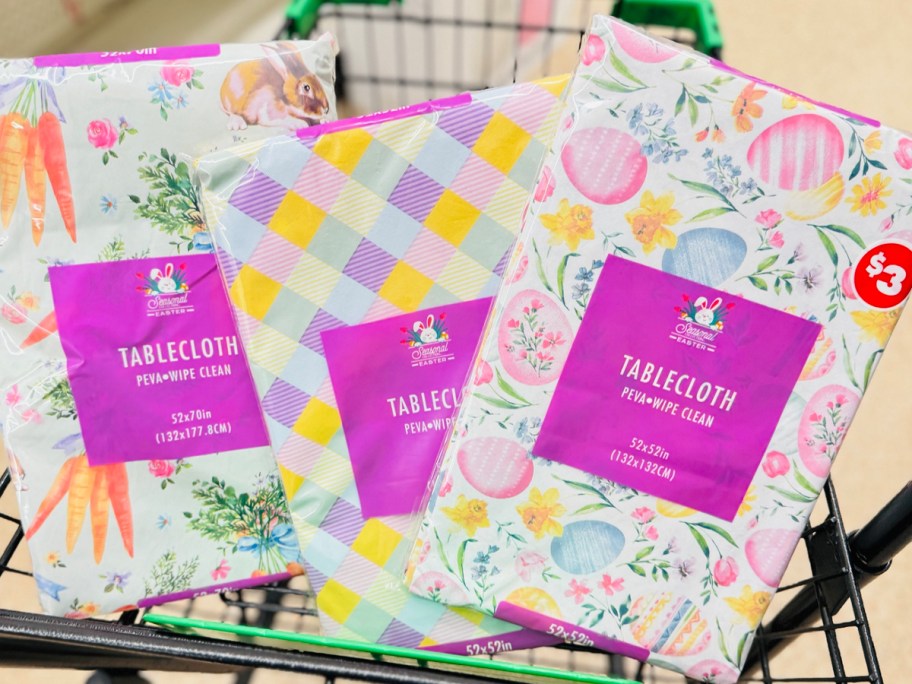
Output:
x=700 y=322
x=428 y=341
x=166 y=290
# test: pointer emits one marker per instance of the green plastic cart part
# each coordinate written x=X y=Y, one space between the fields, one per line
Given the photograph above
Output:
x=301 y=15
x=380 y=650
x=697 y=15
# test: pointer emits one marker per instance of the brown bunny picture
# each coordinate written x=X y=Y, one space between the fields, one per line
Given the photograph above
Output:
x=278 y=90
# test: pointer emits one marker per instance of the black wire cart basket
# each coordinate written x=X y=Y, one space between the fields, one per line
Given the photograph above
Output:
x=455 y=46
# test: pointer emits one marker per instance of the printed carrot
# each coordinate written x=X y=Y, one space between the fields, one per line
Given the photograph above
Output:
x=51 y=139
x=35 y=183
x=12 y=161
x=99 y=508
x=57 y=491
x=47 y=326
x=78 y=500
x=119 y=491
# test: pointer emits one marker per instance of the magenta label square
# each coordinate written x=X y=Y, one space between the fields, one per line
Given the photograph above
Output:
x=398 y=383
x=154 y=359
x=674 y=388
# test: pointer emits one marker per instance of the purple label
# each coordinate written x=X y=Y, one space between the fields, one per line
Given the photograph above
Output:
x=674 y=388
x=154 y=359
x=145 y=55
x=398 y=383
x=389 y=115
x=565 y=631
x=519 y=640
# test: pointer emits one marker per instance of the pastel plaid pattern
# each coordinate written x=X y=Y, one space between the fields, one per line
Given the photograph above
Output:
x=381 y=220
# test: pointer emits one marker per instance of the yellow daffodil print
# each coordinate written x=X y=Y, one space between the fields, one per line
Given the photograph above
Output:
x=876 y=325
x=750 y=605
x=746 y=502
x=872 y=143
x=650 y=222
x=469 y=514
x=539 y=511
x=867 y=196
x=569 y=225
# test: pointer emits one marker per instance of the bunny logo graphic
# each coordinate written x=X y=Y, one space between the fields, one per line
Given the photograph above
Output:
x=428 y=340
x=166 y=291
x=700 y=322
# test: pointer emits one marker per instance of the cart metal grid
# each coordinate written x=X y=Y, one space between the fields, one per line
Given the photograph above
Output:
x=823 y=612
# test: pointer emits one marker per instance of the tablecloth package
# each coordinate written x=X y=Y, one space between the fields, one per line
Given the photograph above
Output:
x=709 y=273
x=359 y=258
x=164 y=485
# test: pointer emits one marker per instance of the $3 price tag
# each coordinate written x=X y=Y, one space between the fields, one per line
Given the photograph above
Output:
x=883 y=275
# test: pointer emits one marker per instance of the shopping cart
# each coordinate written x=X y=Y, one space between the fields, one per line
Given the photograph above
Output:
x=397 y=53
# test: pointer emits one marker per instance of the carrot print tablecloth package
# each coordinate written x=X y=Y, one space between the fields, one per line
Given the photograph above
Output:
x=707 y=277
x=136 y=440
x=361 y=259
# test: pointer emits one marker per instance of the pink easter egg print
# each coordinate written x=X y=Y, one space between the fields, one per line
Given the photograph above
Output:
x=496 y=467
x=797 y=153
x=604 y=164
x=768 y=553
x=712 y=672
x=820 y=360
x=823 y=425
x=533 y=338
x=640 y=46
x=440 y=588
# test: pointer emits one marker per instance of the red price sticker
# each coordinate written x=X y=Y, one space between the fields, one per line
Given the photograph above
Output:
x=883 y=275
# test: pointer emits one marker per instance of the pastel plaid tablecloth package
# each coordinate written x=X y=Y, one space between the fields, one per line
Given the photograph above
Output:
x=709 y=272
x=356 y=257
x=164 y=484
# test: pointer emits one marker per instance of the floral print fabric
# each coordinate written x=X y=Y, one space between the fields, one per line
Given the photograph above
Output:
x=671 y=159
x=98 y=176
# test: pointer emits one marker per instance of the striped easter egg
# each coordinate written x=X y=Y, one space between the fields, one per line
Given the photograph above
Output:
x=706 y=255
x=798 y=153
x=496 y=467
x=769 y=551
x=604 y=164
x=806 y=205
x=640 y=46
x=534 y=599
x=670 y=625
x=586 y=546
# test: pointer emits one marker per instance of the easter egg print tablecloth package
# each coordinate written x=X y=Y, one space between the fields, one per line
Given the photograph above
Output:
x=709 y=273
x=137 y=445
x=361 y=259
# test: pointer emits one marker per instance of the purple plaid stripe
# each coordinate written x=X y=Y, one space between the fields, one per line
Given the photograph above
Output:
x=501 y=265
x=284 y=402
x=344 y=522
x=229 y=265
x=322 y=321
x=258 y=195
x=316 y=578
x=400 y=634
x=416 y=194
x=465 y=124
x=370 y=265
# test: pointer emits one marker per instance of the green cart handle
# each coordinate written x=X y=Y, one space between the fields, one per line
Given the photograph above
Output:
x=301 y=15
x=697 y=15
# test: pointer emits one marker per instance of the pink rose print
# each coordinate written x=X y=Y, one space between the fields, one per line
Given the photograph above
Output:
x=776 y=240
x=220 y=572
x=483 y=374
x=423 y=552
x=160 y=468
x=446 y=486
x=577 y=591
x=593 y=50
x=611 y=586
x=176 y=73
x=651 y=533
x=14 y=313
x=545 y=187
x=848 y=289
x=886 y=224
x=903 y=153
x=102 y=134
x=520 y=269
x=775 y=463
x=769 y=218
x=529 y=564
x=725 y=571
x=643 y=515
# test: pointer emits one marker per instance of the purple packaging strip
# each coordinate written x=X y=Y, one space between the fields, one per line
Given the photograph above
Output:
x=79 y=59
x=514 y=641
x=379 y=117
x=568 y=632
